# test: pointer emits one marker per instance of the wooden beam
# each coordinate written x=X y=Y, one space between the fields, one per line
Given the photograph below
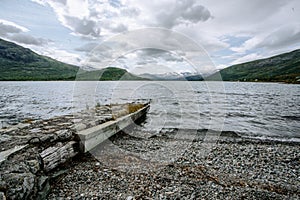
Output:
x=92 y=137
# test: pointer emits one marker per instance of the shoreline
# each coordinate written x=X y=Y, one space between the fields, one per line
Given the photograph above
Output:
x=138 y=164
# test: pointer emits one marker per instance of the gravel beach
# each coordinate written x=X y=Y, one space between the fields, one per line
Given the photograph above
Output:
x=166 y=165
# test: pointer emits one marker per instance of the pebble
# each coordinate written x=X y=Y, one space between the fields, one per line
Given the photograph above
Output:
x=230 y=170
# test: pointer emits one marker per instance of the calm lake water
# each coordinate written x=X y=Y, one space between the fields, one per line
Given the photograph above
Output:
x=250 y=109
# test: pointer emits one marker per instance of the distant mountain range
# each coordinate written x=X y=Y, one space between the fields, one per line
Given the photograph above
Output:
x=19 y=63
x=281 y=68
x=173 y=76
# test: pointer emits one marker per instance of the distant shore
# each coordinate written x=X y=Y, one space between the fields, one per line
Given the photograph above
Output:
x=73 y=80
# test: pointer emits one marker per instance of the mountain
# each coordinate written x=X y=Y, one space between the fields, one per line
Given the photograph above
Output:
x=281 y=68
x=173 y=76
x=18 y=63
x=107 y=74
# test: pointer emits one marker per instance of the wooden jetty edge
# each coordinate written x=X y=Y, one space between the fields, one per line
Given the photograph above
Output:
x=90 y=138
x=32 y=152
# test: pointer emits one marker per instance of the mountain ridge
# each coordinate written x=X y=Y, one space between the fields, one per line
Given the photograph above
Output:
x=22 y=64
x=283 y=67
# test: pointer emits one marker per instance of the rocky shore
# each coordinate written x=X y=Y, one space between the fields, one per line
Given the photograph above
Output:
x=34 y=153
x=135 y=164
x=41 y=160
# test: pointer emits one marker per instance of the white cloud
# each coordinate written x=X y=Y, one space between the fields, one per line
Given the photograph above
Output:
x=283 y=36
x=183 y=12
x=247 y=58
x=91 y=19
x=16 y=33
x=58 y=54
x=7 y=27
x=84 y=27
x=87 y=47
x=27 y=39
x=268 y=26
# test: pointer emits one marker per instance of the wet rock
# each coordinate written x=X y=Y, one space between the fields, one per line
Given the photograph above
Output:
x=2 y=196
x=43 y=187
x=79 y=127
x=35 y=130
x=34 y=166
x=49 y=138
x=19 y=186
x=129 y=198
x=64 y=134
x=3 y=185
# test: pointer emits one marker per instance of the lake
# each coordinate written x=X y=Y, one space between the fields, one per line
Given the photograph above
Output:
x=269 y=110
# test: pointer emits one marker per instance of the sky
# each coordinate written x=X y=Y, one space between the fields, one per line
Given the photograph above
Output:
x=227 y=32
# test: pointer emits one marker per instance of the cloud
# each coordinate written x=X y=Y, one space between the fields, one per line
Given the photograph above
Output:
x=58 y=54
x=247 y=58
x=169 y=14
x=27 y=39
x=87 y=18
x=84 y=27
x=157 y=54
x=7 y=27
x=87 y=47
x=264 y=26
x=118 y=28
x=281 y=37
x=91 y=19
x=16 y=33
x=130 y=12
x=185 y=12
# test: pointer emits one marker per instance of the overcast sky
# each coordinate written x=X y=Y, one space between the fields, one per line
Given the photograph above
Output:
x=230 y=32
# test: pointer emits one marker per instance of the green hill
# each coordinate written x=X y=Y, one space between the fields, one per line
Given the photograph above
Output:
x=281 y=68
x=107 y=74
x=21 y=64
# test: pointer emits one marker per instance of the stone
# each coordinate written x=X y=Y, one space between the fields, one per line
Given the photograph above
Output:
x=42 y=181
x=34 y=166
x=5 y=154
x=44 y=191
x=2 y=184
x=49 y=138
x=129 y=198
x=64 y=134
x=35 y=130
x=79 y=127
x=20 y=186
x=2 y=196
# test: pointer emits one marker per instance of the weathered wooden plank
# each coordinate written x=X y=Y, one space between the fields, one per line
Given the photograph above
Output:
x=54 y=156
x=91 y=137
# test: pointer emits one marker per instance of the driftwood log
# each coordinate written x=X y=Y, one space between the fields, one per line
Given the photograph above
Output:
x=58 y=154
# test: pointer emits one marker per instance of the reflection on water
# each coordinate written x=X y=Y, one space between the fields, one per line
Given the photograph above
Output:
x=254 y=109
